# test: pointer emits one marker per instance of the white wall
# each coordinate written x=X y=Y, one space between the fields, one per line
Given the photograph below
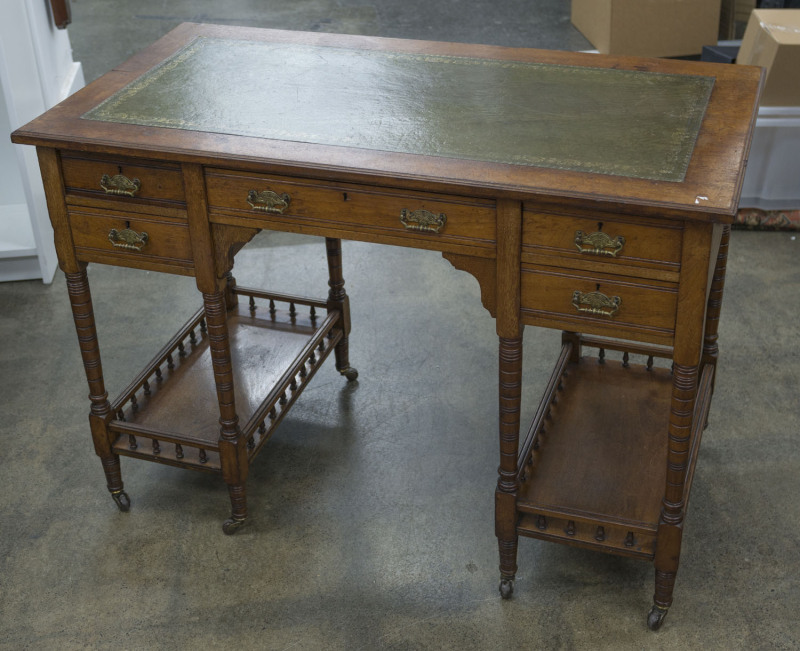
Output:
x=36 y=72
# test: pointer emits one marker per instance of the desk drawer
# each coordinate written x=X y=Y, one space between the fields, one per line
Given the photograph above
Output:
x=127 y=180
x=140 y=242
x=617 y=245
x=349 y=206
x=598 y=303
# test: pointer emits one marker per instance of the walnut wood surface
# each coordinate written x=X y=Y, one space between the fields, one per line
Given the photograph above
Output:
x=709 y=191
x=168 y=242
x=159 y=181
x=651 y=249
x=607 y=433
x=261 y=349
x=318 y=205
x=647 y=310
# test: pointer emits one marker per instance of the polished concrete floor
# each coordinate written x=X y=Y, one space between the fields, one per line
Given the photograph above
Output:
x=371 y=509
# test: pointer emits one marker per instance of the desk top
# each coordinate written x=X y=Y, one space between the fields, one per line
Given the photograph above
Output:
x=627 y=123
x=495 y=119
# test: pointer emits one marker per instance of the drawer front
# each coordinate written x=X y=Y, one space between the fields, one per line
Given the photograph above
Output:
x=627 y=247
x=597 y=303
x=355 y=207
x=126 y=180
x=135 y=242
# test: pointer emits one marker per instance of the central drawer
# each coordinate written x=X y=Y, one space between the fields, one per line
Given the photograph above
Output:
x=351 y=210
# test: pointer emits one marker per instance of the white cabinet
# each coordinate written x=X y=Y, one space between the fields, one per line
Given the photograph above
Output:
x=36 y=72
x=772 y=181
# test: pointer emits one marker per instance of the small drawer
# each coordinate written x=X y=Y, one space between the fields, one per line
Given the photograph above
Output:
x=597 y=303
x=630 y=244
x=353 y=207
x=122 y=179
x=135 y=241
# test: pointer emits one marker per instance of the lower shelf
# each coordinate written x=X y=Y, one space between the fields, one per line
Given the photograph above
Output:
x=596 y=469
x=169 y=413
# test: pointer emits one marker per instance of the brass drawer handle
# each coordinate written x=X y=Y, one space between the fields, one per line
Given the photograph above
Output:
x=596 y=303
x=119 y=184
x=268 y=201
x=127 y=239
x=422 y=220
x=599 y=243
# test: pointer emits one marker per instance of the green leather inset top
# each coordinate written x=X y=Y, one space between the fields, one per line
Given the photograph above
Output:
x=628 y=123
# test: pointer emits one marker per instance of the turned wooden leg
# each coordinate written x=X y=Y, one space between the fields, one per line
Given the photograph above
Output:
x=232 y=446
x=338 y=300
x=670 y=527
x=238 y=496
x=710 y=347
x=506 y=493
x=81 y=302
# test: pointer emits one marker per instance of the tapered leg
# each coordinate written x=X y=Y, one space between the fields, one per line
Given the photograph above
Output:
x=506 y=493
x=232 y=446
x=100 y=413
x=338 y=300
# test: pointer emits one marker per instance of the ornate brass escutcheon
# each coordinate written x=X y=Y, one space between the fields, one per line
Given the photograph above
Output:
x=596 y=303
x=599 y=243
x=422 y=220
x=119 y=184
x=268 y=201
x=127 y=239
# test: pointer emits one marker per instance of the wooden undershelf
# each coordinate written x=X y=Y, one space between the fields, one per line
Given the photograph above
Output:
x=597 y=475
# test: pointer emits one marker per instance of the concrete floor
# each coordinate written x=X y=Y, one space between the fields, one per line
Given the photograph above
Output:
x=371 y=509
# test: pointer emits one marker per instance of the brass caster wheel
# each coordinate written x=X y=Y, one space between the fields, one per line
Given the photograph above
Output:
x=231 y=526
x=656 y=617
x=506 y=588
x=122 y=500
x=350 y=373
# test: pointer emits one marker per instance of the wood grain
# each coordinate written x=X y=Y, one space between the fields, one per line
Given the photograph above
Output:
x=715 y=171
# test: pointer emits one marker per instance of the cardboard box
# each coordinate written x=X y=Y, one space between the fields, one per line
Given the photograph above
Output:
x=733 y=18
x=743 y=10
x=772 y=40
x=656 y=28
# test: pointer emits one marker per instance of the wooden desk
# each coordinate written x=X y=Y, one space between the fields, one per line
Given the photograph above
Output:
x=585 y=193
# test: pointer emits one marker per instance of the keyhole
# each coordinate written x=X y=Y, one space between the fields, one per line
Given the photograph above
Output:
x=599 y=226
x=128 y=225
x=597 y=289
x=344 y=196
x=119 y=168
